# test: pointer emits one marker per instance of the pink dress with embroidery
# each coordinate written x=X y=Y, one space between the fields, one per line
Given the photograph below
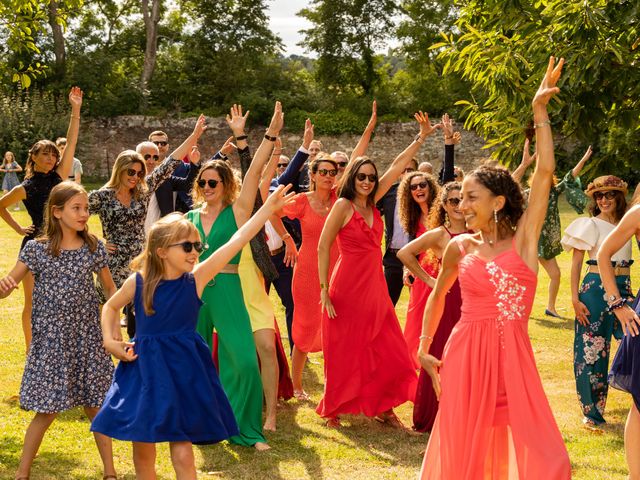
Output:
x=494 y=420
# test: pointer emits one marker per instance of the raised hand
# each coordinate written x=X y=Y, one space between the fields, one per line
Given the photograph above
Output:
x=277 y=121
x=527 y=158
x=194 y=155
x=447 y=126
x=307 y=138
x=280 y=198
x=236 y=120
x=457 y=138
x=587 y=154
x=374 y=117
x=200 y=127
x=426 y=128
x=228 y=147
x=548 y=86
x=277 y=147
x=75 y=98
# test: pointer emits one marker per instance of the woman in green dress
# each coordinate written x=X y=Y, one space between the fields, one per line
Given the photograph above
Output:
x=549 y=246
x=223 y=210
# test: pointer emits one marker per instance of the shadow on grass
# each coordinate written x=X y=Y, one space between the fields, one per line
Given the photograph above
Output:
x=55 y=465
x=564 y=323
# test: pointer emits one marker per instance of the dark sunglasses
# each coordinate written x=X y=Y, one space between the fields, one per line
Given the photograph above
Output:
x=148 y=156
x=188 y=246
x=342 y=164
x=324 y=172
x=282 y=165
x=212 y=183
x=161 y=144
x=454 y=202
x=610 y=195
x=421 y=185
x=361 y=177
x=131 y=173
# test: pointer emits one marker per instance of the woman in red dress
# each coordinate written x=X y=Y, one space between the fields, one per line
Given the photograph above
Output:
x=422 y=256
x=367 y=366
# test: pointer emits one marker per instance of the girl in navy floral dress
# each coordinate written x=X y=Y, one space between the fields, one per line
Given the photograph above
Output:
x=67 y=365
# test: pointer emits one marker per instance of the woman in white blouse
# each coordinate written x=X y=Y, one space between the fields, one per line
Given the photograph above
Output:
x=595 y=323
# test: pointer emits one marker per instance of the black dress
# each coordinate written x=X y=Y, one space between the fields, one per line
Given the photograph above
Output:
x=38 y=187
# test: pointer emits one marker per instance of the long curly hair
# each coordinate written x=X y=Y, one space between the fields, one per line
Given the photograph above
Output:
x=409 y=211
x=498 y=181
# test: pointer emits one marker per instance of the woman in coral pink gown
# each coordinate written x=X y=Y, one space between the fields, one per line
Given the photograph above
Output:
x=494 y=420
x=367 y=365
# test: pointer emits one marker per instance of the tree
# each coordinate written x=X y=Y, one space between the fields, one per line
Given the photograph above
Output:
x=501 y=48
x=151 y=17
x=345 y=35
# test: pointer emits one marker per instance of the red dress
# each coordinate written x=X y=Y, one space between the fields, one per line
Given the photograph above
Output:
x=366 y=364
x=305 y=286
x=418 y=295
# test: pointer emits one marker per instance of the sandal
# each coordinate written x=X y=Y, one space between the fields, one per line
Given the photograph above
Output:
x=333 y=422
x=301 y=395
x=391 y=419
x=592 y=426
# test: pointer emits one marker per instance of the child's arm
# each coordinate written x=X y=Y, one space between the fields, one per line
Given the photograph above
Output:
x=11 y=281
x=66 y=163
x=111 y=321
x=208 y=269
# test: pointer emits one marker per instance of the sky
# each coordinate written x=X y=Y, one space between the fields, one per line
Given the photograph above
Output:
x=284 y=22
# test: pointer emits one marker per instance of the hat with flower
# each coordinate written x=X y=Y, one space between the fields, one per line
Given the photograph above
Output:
x=606 y=183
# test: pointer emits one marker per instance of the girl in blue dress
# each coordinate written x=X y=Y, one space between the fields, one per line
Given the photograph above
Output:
x=166 y=388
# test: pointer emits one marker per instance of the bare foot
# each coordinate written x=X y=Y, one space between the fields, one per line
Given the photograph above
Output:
x=333 y=422
x=261 y=446
x=391 y=419
x=301 y=395
x=270 y=424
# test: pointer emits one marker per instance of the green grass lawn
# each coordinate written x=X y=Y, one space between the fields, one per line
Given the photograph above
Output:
x=302 y=447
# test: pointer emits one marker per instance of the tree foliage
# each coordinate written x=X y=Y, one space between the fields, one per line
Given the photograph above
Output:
x=501 y=46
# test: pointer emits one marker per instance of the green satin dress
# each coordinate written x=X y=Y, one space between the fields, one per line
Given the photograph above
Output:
x=224 y=311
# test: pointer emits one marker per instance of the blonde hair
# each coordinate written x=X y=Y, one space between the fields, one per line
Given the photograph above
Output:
x=125 y=160
x=169 y=229
x=45 y=146
x=229 y=182
x=59 y=196
x=9 y=161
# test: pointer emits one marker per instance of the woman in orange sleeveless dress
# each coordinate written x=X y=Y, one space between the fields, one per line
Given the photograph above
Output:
x=494 y=419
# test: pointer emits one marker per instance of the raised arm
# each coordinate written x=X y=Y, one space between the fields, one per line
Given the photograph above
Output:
x=65 y=167
x=185 y=184
x=205 y=271
x=402 y=160
x=243 y=206
x=626 y=229
x=270 y=170
x=433 y=312
x=530 y=223
x=290 y=175
x=363 y=143
x=185 y=147
x=447 y=174
x=527 y=160
x=335 y=220
x=575 y=172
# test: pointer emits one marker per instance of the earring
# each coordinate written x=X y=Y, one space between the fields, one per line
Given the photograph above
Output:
x=447 y=222
x=495 y=217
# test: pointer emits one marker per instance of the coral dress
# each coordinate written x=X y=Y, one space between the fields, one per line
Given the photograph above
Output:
x=305 y=286
x=366 y=364
x=419 y=293
x=494 y=419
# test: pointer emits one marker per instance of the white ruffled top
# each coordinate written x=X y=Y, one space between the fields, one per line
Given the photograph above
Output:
x=588 y=233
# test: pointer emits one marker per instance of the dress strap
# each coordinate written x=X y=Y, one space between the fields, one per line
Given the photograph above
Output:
x=450 y=234
x=458 y=241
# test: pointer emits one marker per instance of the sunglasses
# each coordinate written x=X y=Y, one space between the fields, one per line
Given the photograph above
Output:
x=421 y=186
x=211 y=183
x=282 y=165
x=188 y=246
x=161 y=144
x=454 y=202
x=362 y=176
x=132 y=173
x=148 y=156
x=342 y=164
x=610 y=195
x=324 y=172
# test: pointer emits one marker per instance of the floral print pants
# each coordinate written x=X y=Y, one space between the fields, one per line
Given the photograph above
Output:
x=592 y=343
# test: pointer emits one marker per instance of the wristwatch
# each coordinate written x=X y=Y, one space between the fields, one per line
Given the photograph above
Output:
x=609 y=298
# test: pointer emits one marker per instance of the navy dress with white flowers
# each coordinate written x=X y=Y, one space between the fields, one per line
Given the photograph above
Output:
x=67 y=365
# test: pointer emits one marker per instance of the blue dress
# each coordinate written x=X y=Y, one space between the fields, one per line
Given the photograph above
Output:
x=171 y=392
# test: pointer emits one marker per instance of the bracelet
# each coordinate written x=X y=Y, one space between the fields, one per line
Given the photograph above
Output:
x=286 y=236
x=418 y=139
x=244 y=136
x=426 y=337
x=76 y=116
x=323 y=286
x=270 y=138
x=616 y=305
x=448 y=137
x=542 y=124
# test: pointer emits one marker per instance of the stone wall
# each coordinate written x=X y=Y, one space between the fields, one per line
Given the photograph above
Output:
x=102 y=140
